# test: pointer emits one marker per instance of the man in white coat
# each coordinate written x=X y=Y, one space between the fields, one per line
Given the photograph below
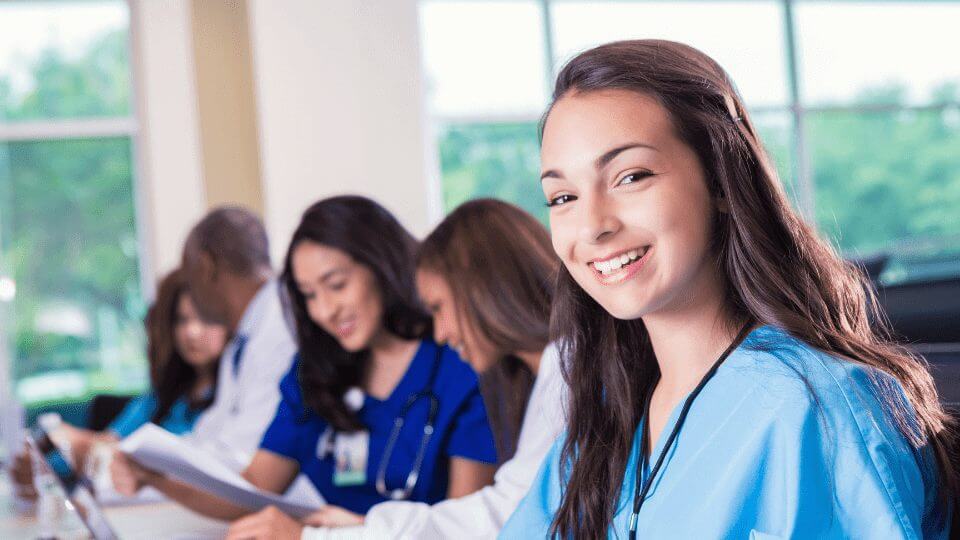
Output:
x=226 y=260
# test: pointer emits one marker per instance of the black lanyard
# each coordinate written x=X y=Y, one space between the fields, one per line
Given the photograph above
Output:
x=642 y=488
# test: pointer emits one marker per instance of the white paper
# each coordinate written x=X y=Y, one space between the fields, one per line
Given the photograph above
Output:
x=164 y=452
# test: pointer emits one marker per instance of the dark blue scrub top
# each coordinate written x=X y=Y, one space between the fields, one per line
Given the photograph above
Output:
x=461 y=429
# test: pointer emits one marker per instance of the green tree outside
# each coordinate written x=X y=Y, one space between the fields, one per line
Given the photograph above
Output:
x=69 y=228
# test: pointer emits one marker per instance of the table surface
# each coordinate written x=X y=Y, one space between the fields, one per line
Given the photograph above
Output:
x=135 y=522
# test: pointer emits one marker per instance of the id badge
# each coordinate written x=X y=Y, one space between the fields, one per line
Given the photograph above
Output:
x=350 y=452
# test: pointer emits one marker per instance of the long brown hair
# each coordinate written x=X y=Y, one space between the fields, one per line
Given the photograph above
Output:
x=373 y=237
x=776 y=269
x=501 y=269
x=171 y=377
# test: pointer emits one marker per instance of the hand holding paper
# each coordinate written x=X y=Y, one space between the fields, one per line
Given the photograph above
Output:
x=154 y=448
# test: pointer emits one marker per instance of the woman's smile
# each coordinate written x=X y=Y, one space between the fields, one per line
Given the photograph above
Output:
x=621 y=266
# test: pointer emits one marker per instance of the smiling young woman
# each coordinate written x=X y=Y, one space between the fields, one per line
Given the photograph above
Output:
x=365 y=361
x=729 y=376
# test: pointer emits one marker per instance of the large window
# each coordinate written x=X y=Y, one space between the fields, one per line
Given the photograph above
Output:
x=857 y=102
x=69 y=268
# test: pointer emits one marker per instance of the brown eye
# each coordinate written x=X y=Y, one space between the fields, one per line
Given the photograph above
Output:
x=635 y=177
x=562 y=199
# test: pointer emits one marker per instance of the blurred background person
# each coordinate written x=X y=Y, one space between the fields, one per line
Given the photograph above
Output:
x=226 y=264
x=184 y=351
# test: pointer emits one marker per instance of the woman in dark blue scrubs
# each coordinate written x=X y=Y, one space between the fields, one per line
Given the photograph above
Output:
x=460 y=432
x=365 y=362
x=372 y=409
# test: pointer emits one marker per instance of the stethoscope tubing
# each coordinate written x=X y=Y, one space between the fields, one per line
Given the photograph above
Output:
x=428 y=429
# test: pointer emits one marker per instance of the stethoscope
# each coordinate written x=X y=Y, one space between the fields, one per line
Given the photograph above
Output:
x=641 y=489
x=399 y=494
x=426 y=393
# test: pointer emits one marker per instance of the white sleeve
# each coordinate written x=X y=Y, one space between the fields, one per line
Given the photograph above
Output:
x=483 y=513
x=259 y=395
x=208 y=428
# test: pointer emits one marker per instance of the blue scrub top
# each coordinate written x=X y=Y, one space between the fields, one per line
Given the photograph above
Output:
x=179 y=419
x=461 y=429
x=760 y=456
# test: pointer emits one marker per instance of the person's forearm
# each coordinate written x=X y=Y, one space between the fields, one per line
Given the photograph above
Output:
x=197 y=500
x=467 y=476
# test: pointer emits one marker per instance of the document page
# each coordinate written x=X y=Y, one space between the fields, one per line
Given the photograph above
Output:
x=164 y=452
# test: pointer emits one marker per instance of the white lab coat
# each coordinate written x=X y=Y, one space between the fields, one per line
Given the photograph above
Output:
x=483 y=513
x=233 y=425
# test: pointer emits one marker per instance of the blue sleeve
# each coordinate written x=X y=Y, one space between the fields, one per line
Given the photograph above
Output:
x=837 y=465
x=470 y=435
x=180 y=418
x=281 y=436
x=878 y=477
x=534 y=514
x=137 y=413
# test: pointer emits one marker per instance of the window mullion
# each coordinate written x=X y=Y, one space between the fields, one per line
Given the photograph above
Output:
x=804 y=181
x=548 y=46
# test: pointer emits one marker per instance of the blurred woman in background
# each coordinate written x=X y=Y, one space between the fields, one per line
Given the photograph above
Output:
x=183 y=352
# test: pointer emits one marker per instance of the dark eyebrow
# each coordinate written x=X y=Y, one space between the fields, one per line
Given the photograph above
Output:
x=608 y=156
x=330 y=273
x=550 y=174
x=601 y=161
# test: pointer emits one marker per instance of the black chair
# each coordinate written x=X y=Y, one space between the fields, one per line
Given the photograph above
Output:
x=944 y=360
x=923 y=312
x=104 y=408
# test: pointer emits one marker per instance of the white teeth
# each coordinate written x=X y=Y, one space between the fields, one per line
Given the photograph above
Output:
x=615 y=263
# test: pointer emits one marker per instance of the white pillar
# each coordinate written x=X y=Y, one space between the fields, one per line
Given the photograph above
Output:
x=171 y=193
x=340 y=108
